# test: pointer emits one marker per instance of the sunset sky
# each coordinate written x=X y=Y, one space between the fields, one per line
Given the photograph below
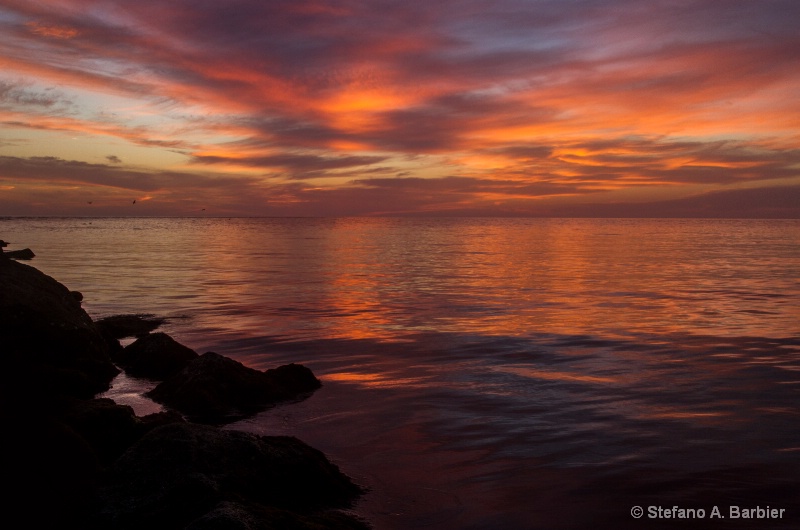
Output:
x=383 y=107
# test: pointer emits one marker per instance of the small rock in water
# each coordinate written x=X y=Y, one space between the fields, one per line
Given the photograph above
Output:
x=124 y=326
x=156 y=356
x=216 y=389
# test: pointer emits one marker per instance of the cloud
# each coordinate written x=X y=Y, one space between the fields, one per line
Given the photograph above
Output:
x=471 y=186
x=17 y=95
x=58 y=32
x=74 y=172
x=299 y=165
x=503 y=99
x=776 y=202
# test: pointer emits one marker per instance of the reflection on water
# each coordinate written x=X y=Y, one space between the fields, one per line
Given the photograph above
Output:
x=382 y=278
x=488 y=373
x=518 y=430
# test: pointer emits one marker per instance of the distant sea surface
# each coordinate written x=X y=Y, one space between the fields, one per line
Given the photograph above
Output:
x=488 y=373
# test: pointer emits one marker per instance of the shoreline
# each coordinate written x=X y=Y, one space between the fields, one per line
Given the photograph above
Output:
x=95 y=461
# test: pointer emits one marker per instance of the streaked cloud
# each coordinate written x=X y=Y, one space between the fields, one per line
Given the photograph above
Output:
x=299 y=165
x=511 y=107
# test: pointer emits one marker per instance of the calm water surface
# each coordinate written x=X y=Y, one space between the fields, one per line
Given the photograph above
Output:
x=488 y=373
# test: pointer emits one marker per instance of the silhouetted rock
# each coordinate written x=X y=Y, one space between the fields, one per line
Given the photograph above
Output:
x=214 y=388
x=48 y=340
x=123 y=326
x=178 y=473
x=110 y=428
x=229 y=515
x=70 y=461
x=25 y=254
x=50 y=474
x=157 y=356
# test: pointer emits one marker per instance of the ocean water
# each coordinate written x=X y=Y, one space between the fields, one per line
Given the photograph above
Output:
x=488 y=373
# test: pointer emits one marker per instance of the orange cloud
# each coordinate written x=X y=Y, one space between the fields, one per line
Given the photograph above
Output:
x=498 y=105
x=58 y=32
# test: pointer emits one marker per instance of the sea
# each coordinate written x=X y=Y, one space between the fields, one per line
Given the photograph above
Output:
x=489 y=373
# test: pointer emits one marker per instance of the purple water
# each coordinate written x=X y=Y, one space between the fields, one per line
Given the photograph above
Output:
x=488 y=373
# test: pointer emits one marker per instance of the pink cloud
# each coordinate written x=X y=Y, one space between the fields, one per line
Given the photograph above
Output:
x=613 y=95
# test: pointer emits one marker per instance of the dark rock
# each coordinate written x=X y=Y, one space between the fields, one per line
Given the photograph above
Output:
x=214 y=388
x=77 y=295
x=25 y=254
x=107 y=427
x=157 y=419
x=51 y=354
x=157 y=356
x=123 y=326
x=291 y=380
x=50 y=474
x=229 y=515
x=47 y=337
x=178 y=473
x=70 y=461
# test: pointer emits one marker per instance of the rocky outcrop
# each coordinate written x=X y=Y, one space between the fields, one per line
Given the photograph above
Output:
x=180 y=473
x=216 y=389
x=72 y=461
x=156 y=356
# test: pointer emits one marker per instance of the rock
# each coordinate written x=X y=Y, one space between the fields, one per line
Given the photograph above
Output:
x=123 y=326
x=70 y=461
x=51 y=355
x=157 y=356
x=215 y=389
x=50 y=474
x=228 y=515
x=179 y=473
x=107 y=427
x=110 y=428
x=49 y=342
x=25 y=254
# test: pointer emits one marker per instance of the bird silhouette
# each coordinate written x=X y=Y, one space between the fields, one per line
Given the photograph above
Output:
x=134 y=201
x=89 y=202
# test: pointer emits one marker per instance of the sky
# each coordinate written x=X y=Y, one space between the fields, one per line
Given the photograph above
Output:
x=576 y=108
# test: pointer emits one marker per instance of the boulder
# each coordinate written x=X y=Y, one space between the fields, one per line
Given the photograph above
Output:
x=110 y=428
x=216 y=389
x=180 y=472
x=156 y=356
x=124 y=326
x=50 y=474
x=107 y=427
x=49 y=343
x=25 y=254
x=230 y=515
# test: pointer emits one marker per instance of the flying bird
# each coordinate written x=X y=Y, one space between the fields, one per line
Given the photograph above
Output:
x=89 y=202
x=134 y=201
